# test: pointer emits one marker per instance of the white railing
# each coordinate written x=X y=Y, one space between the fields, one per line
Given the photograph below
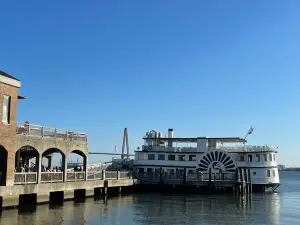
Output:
x=111 y=175
x=95 y=175
x=52 y=177
x=25 y=178
x=57 y=177
x=125 y=175
x=248 y=148
x=42 y=131
x=75 y=176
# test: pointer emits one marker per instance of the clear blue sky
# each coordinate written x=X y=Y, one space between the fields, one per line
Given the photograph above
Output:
x=204 y=68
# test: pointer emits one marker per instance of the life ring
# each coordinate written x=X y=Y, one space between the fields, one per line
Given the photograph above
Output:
x=150 y=147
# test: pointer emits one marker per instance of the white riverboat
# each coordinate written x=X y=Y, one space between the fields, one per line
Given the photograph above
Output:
x=204 y=154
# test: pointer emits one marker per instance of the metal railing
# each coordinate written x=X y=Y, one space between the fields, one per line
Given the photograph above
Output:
x=52 y=177
x=25 y=178
x=42 y=131
x=95 y=175
x=111 y=175
x=152 y=177
x=249 y=148
x=125 y=175
x=56 y=177
x=75 y=176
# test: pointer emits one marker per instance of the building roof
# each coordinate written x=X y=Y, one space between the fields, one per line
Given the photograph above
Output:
x=222 y=139
x=2 y=73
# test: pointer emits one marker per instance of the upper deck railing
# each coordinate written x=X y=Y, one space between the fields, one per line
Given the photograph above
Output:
x=42 y=131
x=239 y=148
x=249 y=148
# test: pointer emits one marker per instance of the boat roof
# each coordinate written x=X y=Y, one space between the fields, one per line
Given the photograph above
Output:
x=221 y=139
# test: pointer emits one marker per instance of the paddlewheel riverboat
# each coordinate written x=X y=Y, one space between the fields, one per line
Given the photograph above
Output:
x=208 y=155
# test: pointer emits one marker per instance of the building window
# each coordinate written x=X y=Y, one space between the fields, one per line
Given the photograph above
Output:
x=242 y=158
x=273 y=173
x=161 y=157
x=268 y=173
x=266 y=158
x=181 y=157
x=249 y=158
x=257 y=157
x=6 y=109
x=192 y=157
x=270 y=157
x=151 y=156
x=171 y=157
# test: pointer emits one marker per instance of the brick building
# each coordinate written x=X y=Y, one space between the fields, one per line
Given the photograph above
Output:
x=9 y=96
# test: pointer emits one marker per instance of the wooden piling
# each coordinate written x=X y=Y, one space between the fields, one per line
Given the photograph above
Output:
x=250 y=181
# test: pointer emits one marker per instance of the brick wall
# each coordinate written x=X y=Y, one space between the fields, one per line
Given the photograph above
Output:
x=8 y=131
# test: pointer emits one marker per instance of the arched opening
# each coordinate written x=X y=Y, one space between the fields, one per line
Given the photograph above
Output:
x=3 y=165
x=26 y=165
x=76 y=165
x=52 y=166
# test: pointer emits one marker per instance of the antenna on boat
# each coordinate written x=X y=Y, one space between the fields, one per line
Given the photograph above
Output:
x=249 y=132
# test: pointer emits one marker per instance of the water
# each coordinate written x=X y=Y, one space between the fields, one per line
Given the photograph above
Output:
x=278 y=208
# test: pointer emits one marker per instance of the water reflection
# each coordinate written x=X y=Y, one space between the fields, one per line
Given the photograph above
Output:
x=153 y=209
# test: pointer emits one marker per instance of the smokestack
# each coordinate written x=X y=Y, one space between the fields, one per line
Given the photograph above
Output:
x=170 y=135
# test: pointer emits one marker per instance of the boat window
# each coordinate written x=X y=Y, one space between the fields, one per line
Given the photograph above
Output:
x=273 y=173
x=141 y=170
x=242 y=158
x=149 y=170
x=249 y=158
x=151 y=156
x=190 y=171
x=171 y=171
x=171 y=157
x=274 y=157
x=192 y=158
x=268 y=173
x=181 y=157
x=257 y=157
x=161 y=157
x=265 y=156
x=270 y=157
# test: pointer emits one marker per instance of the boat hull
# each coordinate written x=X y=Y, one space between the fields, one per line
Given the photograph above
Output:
x=267 y=188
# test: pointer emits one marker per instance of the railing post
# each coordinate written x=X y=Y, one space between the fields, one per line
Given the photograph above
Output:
x=67 y=135
x=55 y=133
x=42 y=131
x=118 y=175
x=103 y=174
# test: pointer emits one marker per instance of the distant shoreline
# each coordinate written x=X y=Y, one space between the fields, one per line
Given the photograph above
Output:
x=291 y=169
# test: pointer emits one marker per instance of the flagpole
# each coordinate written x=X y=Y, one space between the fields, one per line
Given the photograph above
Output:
x=249 y=132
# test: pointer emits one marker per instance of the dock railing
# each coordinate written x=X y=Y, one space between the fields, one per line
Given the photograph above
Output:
x=95 y=175
x=25 y=178
x=48 y=132
x=57 y=177
x=75 y=176
x=52 y=177
x=125 y=175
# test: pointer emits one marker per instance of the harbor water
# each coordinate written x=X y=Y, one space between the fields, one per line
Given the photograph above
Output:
x=145 y=209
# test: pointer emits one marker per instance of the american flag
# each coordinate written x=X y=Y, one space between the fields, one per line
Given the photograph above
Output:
x=250 y=130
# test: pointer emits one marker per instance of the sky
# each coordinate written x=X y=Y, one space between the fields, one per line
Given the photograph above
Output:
x=204 y=68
